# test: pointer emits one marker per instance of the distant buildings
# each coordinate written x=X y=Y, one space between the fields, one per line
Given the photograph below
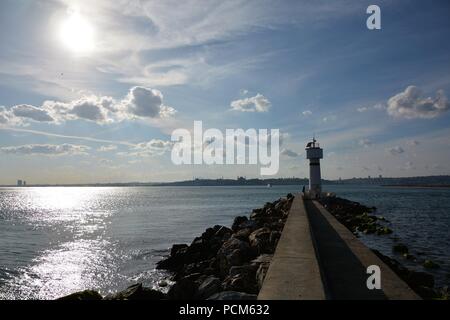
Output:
x=21 y=183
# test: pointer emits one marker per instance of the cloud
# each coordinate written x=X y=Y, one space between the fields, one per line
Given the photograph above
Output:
x=365 y=143
x=413 y=143
x=258 y=103
x=146 y=103
x=31 y=112
x=409 y=166
x=46 y=149
x=307 y=113
x=378 y=106
x=289 y=153
x=396 y=150
x=148 y=149
x=107 y=148
x=410 y=104
x=140 y=102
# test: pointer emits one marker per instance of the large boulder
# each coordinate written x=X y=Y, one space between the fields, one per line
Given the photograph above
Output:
x=242 y=279
x=233 y=252
x=82 y=295
x=183 y=289
x=237 y=222
x=232 y=295
x=208 y=287
x=260 y=240
x=263 y=263
x=137 y=292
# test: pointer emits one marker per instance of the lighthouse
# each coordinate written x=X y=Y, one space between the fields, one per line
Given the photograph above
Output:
x=314 y=153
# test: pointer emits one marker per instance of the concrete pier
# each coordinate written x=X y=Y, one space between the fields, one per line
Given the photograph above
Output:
x=318 y=258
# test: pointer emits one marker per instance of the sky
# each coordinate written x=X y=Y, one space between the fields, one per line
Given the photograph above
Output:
x=90 y=91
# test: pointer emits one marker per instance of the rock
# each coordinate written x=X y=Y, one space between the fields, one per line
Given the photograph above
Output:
x=261 y=274
x=232 y=295
x=137 y=292
x=260 y=240
x=208 y=287
x=400 y=248
x=263 y=263
x=237 y=222
x=183 y=289
x=430 y=264
x=82 y=295
x=242 y=279
x=257 y=213
x=176 y=248
x=383 y=231
x=242 y=234
x=232 y=253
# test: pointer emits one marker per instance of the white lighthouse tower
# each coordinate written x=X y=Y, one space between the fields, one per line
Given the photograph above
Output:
x=314 y=153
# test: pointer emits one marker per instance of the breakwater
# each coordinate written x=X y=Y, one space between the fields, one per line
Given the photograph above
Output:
x=232 y=263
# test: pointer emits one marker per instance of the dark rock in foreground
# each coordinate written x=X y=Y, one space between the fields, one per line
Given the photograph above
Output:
x=226 y=263
x=82 y=295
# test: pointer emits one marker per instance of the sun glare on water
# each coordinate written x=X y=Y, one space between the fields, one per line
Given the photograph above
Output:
x=77 y=33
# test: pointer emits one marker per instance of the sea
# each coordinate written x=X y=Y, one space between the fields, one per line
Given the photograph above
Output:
x=58 y=240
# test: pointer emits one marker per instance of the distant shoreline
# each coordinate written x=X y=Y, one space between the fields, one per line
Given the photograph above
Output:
x=419 y=186
x=442 y=181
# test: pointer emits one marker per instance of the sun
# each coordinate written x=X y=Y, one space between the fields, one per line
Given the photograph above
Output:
x=77 y=33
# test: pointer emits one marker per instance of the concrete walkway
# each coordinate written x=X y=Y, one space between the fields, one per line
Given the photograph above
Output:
x=294 y=272
x=319 y=258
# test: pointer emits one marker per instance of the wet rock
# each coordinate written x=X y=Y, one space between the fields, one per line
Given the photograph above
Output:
x=82 y=295
x=430 y=264
x=137 y=292
x=208 y=287
x=232 y=253
x=232 y=295
x=242 y=279
x=242 y=234
x=237 y=222
x=176 y=248
x=263 y=263
x=260 y=240
x=183 y=289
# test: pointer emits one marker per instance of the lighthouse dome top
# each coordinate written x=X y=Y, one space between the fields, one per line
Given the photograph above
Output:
x=312 y=144
x=313 y=150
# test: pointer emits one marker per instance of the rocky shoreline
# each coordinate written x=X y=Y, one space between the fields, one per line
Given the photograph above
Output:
x=361 y=219
x=221 y=264
x=231 y=263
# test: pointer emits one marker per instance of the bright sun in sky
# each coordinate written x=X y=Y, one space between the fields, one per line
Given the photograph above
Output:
x=77 y=33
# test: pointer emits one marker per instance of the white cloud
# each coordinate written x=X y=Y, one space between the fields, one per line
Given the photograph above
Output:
x=258 y=103
x=409 y=166
x=31 y=112
x=46 y=149
x=107 y=148
x=396 y=150
x=412 y=143
x=140 y=102
x=378 y=106
x=146 y=103
x=365 y=143
x=148 y=149
x=410 y=104
x=289 y=153
x=307 y=113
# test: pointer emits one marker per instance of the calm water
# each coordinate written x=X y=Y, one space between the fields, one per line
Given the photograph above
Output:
x=54 y=241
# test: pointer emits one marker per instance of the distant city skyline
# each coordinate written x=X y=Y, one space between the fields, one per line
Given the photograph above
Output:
x=91 y=91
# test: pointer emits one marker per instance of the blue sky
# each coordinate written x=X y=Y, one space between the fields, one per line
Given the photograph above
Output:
x=98 y=104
